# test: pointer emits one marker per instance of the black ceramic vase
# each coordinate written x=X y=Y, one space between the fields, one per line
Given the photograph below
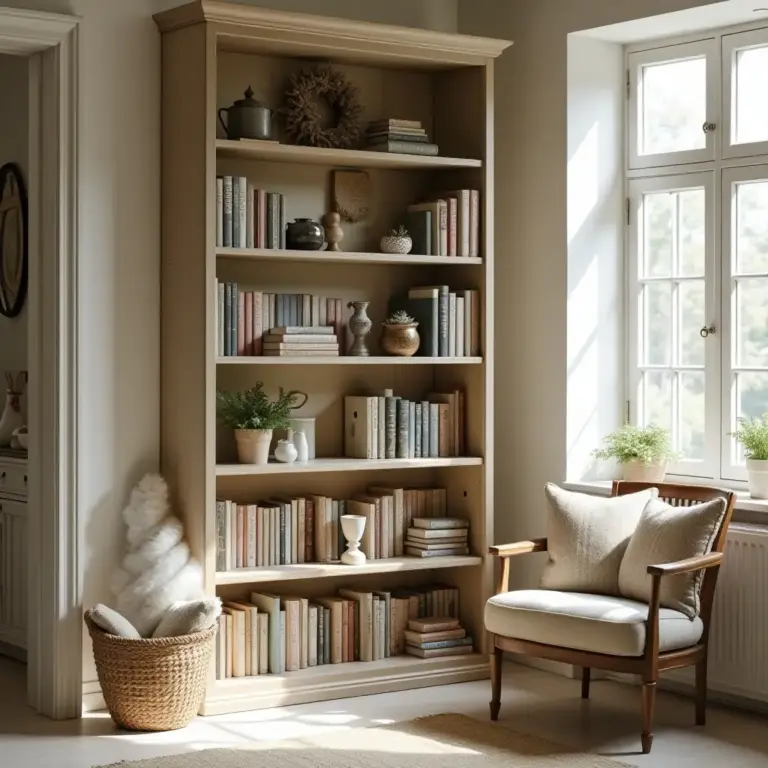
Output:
x=304 y=235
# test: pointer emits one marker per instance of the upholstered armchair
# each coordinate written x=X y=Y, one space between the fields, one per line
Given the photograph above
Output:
x=653 y=564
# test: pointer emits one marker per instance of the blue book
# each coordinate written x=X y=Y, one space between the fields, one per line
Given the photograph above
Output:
x=417 y=431
x=428 y=646
x=419 y=226
x=235 y=211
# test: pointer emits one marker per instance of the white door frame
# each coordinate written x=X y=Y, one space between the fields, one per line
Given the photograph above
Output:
x=54 y=636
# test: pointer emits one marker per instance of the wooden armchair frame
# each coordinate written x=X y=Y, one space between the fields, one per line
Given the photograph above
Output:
x=652 y=662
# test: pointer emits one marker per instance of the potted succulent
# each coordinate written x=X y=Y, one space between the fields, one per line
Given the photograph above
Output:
x=643 y=452
x=253 y=416
x=397 y=241
x=753 y=435
x=400 y=336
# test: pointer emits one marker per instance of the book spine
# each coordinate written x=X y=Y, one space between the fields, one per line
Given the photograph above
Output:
x=425 y=422
x=463 y=223
x=283 y=222
x=338 y=327
x=445 y=432
x=402 y=428
x=382 y=427
x=257 y=320
x=235 y=211
x=250 y=527
x=411 y=430
x=221 y=535
x=460 y=346
x=233 y=308
x=248 y=324
x=281 y=548
x=242 y=202
x=220 y=319
x=301 y=531
x=281 y=642
x=327 y=634
x=443 y=321
x=294 y=537
x=321 y=635
x=391 y=427
x=309 y=532
x=452 y=225
x=434 y=430
x=407 y=147
x=335 y=526
x=270 y=204
x=474 y=222
x=250 y=210
x=417 y=419
x=288 y=534
x=383 y=135
x=240 y=537
x=227 y=319
x=451 y=325
x=219 y=211
x=227 y=211
x=443 y=211
x=275 y=244
x=312 y=636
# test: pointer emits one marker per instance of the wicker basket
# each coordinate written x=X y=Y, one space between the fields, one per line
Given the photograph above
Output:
x=152 y=685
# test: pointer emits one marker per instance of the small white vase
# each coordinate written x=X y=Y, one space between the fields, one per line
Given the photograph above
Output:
x=302 y=447
x=640 y=472
x=757 y=471
x=352 y=526
x=305 y=424
x=253 y=445
x=286 y=452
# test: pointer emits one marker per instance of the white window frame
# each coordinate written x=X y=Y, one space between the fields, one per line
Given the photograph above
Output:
x=707 y=468
x=731 y=44
x=636 y=61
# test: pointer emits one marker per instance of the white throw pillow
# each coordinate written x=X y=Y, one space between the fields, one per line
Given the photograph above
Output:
x=186 y=618
x=666 y=534
x=114 y=623
x=587 y=536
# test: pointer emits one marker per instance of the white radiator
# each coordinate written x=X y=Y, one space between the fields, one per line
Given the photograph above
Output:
x=738 y=644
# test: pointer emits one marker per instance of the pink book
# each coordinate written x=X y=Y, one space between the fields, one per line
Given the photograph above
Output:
x=258 y=324
x=248 y=324
x=240 y=323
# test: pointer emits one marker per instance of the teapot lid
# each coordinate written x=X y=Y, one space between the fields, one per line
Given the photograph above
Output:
x=248 y=101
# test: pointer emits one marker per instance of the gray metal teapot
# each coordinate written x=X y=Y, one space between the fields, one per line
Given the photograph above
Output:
x=247 y=119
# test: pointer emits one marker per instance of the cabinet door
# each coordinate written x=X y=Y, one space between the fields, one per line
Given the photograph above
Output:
x=13 y=572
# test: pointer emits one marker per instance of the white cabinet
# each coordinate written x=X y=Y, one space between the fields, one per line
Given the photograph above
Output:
x=13 y=552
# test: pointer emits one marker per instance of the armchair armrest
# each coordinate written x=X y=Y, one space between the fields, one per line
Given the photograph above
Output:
x=519 y=548
x=686 y=566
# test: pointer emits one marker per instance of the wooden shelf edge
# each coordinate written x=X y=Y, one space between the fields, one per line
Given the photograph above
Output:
x=348 y=360
x=337 y=681
x=271 y=254
x=342 y=465
x=328 y=570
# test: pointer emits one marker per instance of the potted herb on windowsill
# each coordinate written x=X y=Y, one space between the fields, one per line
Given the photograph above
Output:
x=753 y=435
x=642 y=452
x=253 y=416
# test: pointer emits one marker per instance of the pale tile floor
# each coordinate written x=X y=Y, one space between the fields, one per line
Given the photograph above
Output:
x=533 y=702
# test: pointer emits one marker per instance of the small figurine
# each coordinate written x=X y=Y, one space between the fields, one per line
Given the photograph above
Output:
x=333 y=231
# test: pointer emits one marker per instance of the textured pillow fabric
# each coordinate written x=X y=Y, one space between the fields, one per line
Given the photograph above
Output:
x=186 y=618
x=666 y=534
x=113 y=622
x=587 y=537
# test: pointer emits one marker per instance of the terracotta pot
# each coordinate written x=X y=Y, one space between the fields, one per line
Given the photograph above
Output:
x=640 y=472
x=253 y=445
x=400 y=340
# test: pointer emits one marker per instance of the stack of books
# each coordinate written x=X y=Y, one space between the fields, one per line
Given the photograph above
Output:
x=298 y=341
x=437 y=537
x=446 y=226
x=272 y=634
x=406 y=137
x=439 y=636
x=247 y=217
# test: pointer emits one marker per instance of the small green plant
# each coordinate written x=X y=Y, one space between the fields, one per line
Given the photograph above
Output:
x=401 y=317
x=650 y=444
x=752 y=433
x=253 y=408
x=401 y=231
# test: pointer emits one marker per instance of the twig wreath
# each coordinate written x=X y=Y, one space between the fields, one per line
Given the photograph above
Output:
x=307 y=91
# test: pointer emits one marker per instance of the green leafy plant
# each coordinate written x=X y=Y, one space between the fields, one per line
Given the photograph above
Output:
x=650 y=444
x=253 y=408
x=401 y=231
x=401 y=317
x=752 y=433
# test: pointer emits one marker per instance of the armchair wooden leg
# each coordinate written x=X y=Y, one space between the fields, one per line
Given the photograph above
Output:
x=585 y=678
x=495 y=683
x=701 y=692
x=649 y=701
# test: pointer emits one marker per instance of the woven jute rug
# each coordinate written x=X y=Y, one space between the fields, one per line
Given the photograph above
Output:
x=441 y=741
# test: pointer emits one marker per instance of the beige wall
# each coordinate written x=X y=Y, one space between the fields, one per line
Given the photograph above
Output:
x=14 y=148
x=531 y=239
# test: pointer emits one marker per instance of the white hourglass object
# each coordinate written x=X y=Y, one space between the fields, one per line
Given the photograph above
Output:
x=352 y=527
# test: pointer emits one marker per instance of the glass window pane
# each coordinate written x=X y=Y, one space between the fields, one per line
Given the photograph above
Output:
x=673 y=107
x=692 y=232
x=751 y=236
x=692 y=416
x=751 y=400
x=752 y=322
x=750 y=106
x=657 y=344
x=657 y=399
x=659 y=215
x=691 y=299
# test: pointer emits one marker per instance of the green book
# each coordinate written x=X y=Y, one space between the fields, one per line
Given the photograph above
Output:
x=419 y=225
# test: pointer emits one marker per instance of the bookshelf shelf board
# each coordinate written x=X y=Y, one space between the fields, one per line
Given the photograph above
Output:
x=326 y=570
x=342 y=465
x=267 y=254
x=335 y=681
x=347 y=360
x=351 y=158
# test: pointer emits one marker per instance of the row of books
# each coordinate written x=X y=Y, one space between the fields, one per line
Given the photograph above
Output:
x=449 y=321
x=389 y=427
x=254 y=323
x=306 y=529
x=450 y=539
x=407 y=137
x=247 y=217
x=273 y=634
x=446 y=226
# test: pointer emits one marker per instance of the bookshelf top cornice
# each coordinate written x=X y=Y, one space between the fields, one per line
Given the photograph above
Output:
x=299 y=34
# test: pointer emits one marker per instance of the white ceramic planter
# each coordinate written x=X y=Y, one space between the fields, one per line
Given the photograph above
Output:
x=352 y=527
x=640 y=472
x=253 y=445
x=757 y=470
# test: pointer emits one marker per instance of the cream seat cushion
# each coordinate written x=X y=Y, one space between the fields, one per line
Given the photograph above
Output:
x=586 y=622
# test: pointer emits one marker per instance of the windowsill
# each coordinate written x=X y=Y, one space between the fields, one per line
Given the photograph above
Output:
x=603 y=488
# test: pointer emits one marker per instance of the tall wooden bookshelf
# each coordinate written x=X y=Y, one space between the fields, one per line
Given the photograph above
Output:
x=211 y=52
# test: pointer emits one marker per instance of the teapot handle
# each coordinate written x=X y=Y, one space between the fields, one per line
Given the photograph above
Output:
x=221 y=120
